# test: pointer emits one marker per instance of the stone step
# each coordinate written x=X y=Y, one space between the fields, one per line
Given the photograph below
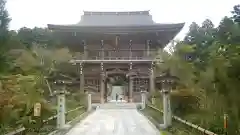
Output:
x=117 y=106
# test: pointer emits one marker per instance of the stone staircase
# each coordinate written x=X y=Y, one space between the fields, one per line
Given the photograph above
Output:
x=117 y=105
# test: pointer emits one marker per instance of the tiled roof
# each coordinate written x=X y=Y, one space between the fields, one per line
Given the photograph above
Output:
x=118 y=22
x=90 y=18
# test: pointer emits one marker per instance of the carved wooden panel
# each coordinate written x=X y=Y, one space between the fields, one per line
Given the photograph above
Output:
x=140 y=84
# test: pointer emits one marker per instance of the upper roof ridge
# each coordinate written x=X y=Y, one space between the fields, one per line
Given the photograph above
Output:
x=144 y=12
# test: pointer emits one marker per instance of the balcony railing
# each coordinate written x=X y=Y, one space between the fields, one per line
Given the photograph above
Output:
x=122 y=54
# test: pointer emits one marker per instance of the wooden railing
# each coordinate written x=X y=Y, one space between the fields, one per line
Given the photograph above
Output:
x=121 y=54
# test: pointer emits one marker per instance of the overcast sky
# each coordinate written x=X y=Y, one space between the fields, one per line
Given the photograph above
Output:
x=31 y=13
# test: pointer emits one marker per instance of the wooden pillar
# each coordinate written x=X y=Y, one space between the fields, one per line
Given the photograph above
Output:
x=116 y=41
x=151 y=79
x=102 y=49
x=148 y=47
x=130 y=49
x=102 y=75
x=81 y=78
x=102 y=83
x=130 y=89
x=117 y=51
x=85 y=49
x=130 y=85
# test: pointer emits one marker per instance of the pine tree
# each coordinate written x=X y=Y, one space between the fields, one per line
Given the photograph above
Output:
x=4 y=35
x=4 y=22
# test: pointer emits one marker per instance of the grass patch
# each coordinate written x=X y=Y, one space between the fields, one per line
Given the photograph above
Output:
x=177 y=128
x=74 y=114
x=72 y=123
x=155 y=118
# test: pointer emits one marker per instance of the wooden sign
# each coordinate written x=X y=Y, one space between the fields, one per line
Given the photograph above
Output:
x=153 y=101
x=37 y=109
x=225 y=124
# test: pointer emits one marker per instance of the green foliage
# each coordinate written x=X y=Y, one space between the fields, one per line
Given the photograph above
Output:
x=4 y=36
x=42 y=36
x=25 y=65
x=18 y=96
x=236 y=13
x=207 y=63
x=4 y=24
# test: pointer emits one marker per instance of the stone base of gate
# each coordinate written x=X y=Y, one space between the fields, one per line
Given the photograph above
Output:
x=116 y=105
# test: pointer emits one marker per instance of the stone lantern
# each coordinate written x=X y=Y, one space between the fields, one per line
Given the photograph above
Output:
x=61 y=107
x=165 y=82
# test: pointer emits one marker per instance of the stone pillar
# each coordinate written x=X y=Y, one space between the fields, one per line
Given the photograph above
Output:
x=152 y=80
x=89 y=100
x=102 y=84
x=169 y=110
x=165 y=109
x=143 y=95
x=167 y=113
x=61 y=110
x=81 y=78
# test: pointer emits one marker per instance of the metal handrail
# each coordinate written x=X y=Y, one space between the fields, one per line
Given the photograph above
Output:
x=205 y=131
x=44 y=121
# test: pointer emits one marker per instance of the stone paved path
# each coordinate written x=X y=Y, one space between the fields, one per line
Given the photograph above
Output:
x=114 y=122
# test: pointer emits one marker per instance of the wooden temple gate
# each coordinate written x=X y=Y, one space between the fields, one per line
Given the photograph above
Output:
x=95 y=81
x=116 y=43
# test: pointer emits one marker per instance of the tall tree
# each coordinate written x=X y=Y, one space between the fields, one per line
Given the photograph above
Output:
x=41 y=36
x=236 y=13
x=202 y=37
x=4 y=36
x=191 y=37
x=4 y=22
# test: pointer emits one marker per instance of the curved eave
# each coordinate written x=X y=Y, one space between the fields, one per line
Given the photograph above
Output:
x=118 y=29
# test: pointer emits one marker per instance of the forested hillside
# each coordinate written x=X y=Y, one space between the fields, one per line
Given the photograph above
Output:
x=30 y=62
x=207 y=62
